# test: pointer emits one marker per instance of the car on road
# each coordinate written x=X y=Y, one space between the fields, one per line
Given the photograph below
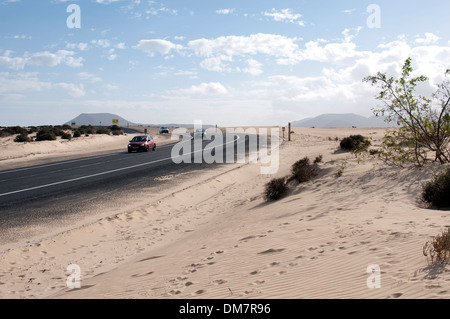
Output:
x=142 y=143
x=163 y=129
x=200 y=133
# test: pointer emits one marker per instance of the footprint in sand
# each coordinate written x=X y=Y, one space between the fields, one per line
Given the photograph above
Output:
x=142 y=275
x=219 y=282
x=271 y=250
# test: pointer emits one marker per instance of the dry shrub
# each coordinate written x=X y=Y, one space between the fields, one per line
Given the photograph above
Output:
x=437 y=191
x=303 y=171
x=275 y=189
x=439 y=247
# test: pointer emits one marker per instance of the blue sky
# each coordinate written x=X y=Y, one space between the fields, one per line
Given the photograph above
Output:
x=221 y=62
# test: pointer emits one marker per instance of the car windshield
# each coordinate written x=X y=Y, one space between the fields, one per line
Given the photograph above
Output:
x=139 y=139
x=199 y=130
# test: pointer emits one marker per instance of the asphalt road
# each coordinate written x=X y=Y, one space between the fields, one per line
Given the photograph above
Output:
x=61 y=192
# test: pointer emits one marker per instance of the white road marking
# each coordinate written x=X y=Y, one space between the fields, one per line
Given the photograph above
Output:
x=65 y=162
x=104 y=173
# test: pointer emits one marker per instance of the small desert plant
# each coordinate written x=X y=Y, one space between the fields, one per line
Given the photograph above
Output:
x=66 y=136
x=103 y=130
x=340 y=172
x=275 y=189
x=8 y=131
x=116 y=130
x=22 y=137
x=86 y=129
x=302 y=170
x=318 y=159
x=437 y=191
x=355 y=143
x=439 y=247
x=77 y=133
x=45 y=134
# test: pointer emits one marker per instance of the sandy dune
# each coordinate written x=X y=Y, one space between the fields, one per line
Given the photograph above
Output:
x=211 y=235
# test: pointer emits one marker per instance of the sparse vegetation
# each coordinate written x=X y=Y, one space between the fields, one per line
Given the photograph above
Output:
x=116 y=130
x=22 y=137
x=302 y=170
x=438 y=249
x=340 y=172
x=424 y=122
x=8 y=131
x=103 y=130
x=355 y=143
x=437 y=191
x=275 y=189
x=45 y=134
x=66 y=136
x=318 y=159
x=86 y=129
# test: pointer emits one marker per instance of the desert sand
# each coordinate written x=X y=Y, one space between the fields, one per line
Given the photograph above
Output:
x=212 y=235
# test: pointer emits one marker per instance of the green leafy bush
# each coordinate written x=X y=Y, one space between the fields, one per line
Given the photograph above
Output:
x=275 y=189
x=437 y=191
x=355 y=143
x=77 y=133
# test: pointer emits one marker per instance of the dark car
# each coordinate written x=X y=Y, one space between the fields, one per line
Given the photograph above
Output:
x=200 y=133
x=163 y=129
x=141 y=143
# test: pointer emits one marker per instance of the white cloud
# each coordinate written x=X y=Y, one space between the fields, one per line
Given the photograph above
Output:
x=85 y=76
x=254 y=67
x=26 y=82
x=225 y=11
x=80 y=46
x=225 y=47
x=212 y=88
x=120 y=46
x=157 y=45
x=106 y=1
x=45 y=58
x=430 y=38
x=111 y=87
x=348 y=11
x=103 y=43
x=285 y=15
x=72 y=89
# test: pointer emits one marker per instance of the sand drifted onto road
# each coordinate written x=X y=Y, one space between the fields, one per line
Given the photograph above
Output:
x=212 y=235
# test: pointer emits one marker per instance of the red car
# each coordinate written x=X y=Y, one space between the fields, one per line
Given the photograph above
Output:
x=141 y=143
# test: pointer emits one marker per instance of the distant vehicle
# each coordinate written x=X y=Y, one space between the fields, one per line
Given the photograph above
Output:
x=163 y=129
x=200 y=133
x=142 y=143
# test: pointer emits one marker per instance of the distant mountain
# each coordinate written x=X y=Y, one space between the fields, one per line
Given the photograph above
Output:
x=105 y=119
x=99 y=119
x=342 y=121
